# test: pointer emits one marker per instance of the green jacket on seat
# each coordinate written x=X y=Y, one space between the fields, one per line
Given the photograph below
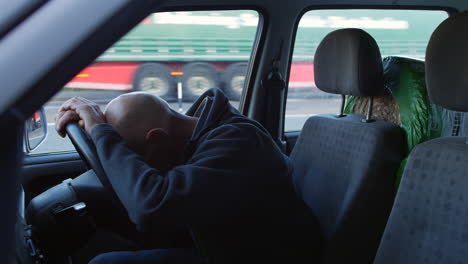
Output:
x=412 y=110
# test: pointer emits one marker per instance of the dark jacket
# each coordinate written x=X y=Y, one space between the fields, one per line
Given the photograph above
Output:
x=234 y=191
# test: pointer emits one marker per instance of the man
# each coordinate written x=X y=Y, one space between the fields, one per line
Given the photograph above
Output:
x=213 y=171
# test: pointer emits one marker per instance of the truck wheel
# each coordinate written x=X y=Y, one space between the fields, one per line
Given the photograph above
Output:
x=234 y=79
x=154 y=78
x=198 y=78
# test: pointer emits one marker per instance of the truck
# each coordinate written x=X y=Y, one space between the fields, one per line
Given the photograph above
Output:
x=186 y=53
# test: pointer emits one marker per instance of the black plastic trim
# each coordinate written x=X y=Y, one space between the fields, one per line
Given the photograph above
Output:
x=50 y=158
x=51 y=166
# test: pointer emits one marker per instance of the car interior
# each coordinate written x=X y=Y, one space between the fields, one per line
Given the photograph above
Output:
x=382 y=167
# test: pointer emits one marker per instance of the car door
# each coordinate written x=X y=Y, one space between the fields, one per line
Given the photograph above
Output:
x=170 y=54
x=175 y=55
x=39 y=41
x=57 y=39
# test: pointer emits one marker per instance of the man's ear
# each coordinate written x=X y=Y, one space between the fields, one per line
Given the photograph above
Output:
x=156 y=148
x=157 y=137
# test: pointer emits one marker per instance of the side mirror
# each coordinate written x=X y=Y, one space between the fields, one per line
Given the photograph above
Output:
x=35 y=130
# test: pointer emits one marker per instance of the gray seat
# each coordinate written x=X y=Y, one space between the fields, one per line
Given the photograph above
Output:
x=345 y=165
x=429 y=220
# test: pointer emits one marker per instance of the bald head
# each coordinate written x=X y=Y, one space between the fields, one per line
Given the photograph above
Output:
x=134 y=114
x=151 y=128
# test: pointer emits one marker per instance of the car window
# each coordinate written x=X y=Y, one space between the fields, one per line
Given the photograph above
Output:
x=175 y=55
x=397 y=32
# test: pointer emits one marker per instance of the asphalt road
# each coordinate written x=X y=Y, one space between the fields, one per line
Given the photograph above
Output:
x=297 y=111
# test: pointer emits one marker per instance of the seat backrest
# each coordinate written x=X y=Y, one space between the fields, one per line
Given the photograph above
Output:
x=344 y=167
x=428 y=222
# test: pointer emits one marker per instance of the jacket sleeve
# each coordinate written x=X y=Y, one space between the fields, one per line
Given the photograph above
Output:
x=204 y=190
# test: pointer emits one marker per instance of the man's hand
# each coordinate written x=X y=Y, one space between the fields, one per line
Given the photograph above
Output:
x=85 y=112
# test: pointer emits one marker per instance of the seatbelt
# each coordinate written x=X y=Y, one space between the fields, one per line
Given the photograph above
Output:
x=274 y=85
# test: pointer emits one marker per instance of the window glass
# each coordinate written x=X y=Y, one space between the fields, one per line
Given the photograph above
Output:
x=397 y=32
x=175 y=55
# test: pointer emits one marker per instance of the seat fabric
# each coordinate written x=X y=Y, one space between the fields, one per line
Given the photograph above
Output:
x=344 y=169
x=429 y=222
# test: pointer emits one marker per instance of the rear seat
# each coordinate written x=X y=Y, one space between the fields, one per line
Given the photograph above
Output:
x=407 y=104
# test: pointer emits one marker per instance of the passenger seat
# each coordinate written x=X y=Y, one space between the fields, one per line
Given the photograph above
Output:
x=429 y=221
x=345 y=165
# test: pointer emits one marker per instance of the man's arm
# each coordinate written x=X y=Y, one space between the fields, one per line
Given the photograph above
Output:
x=139 y=187
x=233 y=170
x=217 y=184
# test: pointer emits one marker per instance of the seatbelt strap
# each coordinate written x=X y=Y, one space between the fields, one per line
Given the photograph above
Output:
x=274 y=85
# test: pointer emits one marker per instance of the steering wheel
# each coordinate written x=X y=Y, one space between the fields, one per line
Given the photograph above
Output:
x=87 y=151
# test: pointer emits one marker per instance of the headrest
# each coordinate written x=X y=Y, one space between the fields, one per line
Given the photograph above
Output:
x=447 y=63
x=348 y=61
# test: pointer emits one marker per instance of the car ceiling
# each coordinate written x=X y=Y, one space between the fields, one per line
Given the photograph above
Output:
x=300 y=4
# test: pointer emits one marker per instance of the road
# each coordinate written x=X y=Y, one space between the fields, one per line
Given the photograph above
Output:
x=297 y=111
